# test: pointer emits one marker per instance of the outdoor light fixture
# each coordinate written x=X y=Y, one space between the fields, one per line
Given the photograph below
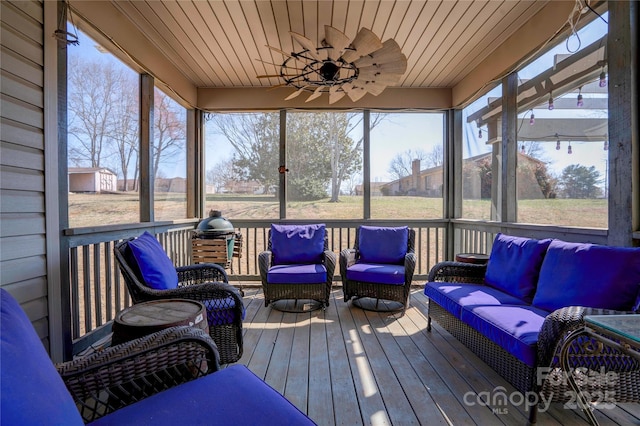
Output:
x=340 y=66
x=532 y=119
x=522 y=148
x=603 y=79
x=606 y=145
x=569 y=150
x=580 y=102
x=550 y=101
x=557 y=142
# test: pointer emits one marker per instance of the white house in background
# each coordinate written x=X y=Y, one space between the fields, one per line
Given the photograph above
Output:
x=92 y=179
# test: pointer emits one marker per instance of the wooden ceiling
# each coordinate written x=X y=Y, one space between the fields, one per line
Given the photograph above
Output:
x=223 y=43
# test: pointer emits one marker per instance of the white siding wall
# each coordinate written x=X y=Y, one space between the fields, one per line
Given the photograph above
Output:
x=23 y=268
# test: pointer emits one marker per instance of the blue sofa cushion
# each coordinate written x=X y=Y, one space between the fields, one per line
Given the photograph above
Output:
x=31 y=390
x=154 y=265
x=297 y=274
x=376 y=273
x=292 y=244
x=580 y=274
x=514 y=265
x=515 y=328
x=221 y=312
x=380 y=244
x=232 y=396
x=453 y=296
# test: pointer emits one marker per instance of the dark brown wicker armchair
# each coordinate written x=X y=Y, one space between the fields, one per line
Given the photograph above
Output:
x=288 y=285
x=206 y=283
x=365 y=285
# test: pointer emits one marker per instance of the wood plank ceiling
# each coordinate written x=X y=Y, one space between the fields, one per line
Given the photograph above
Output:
x=223 y=43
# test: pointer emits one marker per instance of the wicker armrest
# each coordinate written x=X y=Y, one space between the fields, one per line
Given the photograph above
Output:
x=556 y=327
x=410 y=260
x=123 y=374
x=457 y=272
x=347 y=258
x=201 y=273
x=329 y=261
x=264 y=263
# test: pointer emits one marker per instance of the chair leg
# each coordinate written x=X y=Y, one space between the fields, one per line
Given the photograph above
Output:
x=428 y=323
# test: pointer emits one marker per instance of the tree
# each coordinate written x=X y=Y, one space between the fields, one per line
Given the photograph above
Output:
x=400 y=165
x=94 y=88
x=221 y=174
x=125 y=129
x=169 y=129
x=579 y=181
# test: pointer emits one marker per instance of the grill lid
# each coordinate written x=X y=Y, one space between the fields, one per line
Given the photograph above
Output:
x=215 y=224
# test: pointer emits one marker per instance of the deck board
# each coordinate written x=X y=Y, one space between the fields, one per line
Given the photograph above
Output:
x=347 y=366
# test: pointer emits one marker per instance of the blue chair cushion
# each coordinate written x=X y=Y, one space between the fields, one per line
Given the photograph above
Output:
x=297 y=274
x=297 y=243
x=453 y=296
x=580 y=274
x=31 y=390
x=514 y=265
x=379 y=244
x=232 y=396
x=376 y=273
x=221 y=312
x=514 y=328
x=156 y=268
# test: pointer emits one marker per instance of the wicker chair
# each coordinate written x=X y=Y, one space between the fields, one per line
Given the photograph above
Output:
x=377 y=268
x=297 y=264
x=206 y=283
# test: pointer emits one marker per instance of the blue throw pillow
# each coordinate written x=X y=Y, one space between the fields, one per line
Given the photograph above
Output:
x=155 y=266
x=296 y=244
x=379 y=244
x=596 y=276
x=514 y=265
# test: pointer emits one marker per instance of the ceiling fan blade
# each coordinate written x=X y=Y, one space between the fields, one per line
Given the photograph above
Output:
x=375 y=88
x=279 y=65
x=275 y=75
x=275 y=49
x=335 y=97
x=316 y=94
x=399 y=67
x=364 y=43
x=337 y=40
x=294 y=94
x=356 y=93
x=276 y=86
x=306 y=44
x=378 y=77
x=390 y=52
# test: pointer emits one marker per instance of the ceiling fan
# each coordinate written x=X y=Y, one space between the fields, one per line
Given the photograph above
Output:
x=340 y=66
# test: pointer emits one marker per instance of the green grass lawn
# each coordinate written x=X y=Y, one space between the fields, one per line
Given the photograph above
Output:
x=104 y=209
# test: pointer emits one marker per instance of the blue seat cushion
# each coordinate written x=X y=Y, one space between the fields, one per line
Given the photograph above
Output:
x=381 y=244
x=376 y=273
x=154 y=265
x=297 y=274
x=454 y=296
x=31 y=390
x=232 y=396
x=515 y=328
x=221 y=311
x=514 y=265
x=297 y=243
x=596 y=276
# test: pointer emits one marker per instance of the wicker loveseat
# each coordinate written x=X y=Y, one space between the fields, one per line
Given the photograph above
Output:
x=171 y=377
x=516 y=312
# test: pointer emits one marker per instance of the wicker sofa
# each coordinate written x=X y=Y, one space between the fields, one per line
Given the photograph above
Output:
x=516 y=311
x=166 y=378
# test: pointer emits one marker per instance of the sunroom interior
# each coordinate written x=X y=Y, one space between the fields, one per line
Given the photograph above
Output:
x=511 y=117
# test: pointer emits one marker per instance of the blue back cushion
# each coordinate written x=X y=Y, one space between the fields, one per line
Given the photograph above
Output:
x=31 y=390
x=576 y=274
x=296 y=244
x=379 y=244
x=155 y=266
x=514 y=265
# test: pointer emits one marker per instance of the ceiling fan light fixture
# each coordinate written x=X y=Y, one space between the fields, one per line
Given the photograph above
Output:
x=341 y=67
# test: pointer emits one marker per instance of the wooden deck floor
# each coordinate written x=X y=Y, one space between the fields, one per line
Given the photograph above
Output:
x=347 y=366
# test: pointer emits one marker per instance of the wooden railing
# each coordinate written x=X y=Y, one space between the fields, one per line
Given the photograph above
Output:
x=98 y=291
